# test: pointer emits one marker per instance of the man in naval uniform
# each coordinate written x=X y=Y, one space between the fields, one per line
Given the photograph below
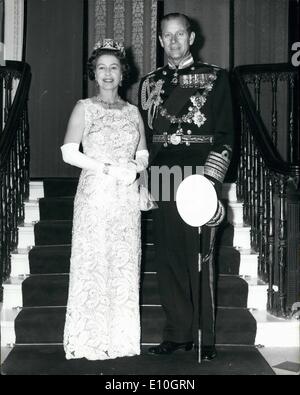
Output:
x=186 y=107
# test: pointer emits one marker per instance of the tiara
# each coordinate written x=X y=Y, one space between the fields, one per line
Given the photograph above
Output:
x=109 y=43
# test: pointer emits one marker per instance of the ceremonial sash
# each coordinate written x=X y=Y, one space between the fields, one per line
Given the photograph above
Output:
x=174 y=104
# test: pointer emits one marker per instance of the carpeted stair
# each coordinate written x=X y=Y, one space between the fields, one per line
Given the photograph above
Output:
x=39 y=325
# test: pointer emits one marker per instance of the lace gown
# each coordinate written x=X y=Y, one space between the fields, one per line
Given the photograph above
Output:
x=103 y=318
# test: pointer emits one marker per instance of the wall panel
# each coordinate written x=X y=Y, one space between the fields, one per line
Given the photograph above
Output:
x=54 y=52
x=212 y=19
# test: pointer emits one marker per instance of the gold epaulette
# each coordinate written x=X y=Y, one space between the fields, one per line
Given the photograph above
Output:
x=153 y=71
x=212 y=65
x=210 y=68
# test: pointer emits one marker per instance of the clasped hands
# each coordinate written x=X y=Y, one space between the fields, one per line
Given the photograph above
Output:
x=125 y=172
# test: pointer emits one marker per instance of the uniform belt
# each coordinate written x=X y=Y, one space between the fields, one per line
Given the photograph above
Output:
x=176 y=139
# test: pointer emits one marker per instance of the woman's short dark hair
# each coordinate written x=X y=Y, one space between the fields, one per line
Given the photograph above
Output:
x=176 y=15
x=91 y=64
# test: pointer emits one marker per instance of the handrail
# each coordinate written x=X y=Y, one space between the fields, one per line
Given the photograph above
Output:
x=263 y=139
x=18 y=70
x=15 y=79
x=267 y=184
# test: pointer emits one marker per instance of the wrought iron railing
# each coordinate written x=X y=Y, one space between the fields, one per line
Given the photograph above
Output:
x=15 y=80
x=269 y=175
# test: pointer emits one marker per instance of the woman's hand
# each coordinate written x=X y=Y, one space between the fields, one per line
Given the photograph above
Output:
x=125 y=173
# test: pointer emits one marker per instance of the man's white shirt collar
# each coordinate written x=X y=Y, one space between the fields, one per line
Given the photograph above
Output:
x=185 y=62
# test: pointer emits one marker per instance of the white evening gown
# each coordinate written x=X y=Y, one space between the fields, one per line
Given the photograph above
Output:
x=103 y=317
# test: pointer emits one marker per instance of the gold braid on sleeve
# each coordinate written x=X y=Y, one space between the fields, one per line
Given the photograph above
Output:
x=217 y=165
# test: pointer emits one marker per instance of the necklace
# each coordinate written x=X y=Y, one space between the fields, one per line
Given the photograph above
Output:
x=108 y=104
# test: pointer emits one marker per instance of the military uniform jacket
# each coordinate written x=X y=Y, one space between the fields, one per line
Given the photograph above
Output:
x=188 y=117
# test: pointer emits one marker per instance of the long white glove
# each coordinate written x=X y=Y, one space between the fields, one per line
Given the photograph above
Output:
x=71 y=155
x=141 y=160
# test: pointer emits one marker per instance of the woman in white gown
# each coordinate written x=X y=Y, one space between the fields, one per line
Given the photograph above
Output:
x=103 y=317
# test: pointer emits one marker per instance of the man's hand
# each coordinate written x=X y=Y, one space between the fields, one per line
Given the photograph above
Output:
x=218 y=217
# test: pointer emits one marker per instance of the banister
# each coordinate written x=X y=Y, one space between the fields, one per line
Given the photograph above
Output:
x=18 y=70
x=14 y=158
x=263 y=139
x=267 y=184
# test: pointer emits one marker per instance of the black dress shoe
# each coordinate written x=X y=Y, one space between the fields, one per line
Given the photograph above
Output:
x=168 y=347
x=208 y=353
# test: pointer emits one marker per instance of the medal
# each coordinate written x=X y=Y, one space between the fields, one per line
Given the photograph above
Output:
x=175 y=78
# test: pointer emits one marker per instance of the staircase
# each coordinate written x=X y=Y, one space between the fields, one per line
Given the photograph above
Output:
x=35 y=295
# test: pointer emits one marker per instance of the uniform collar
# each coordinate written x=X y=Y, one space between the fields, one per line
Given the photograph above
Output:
x=186 y=62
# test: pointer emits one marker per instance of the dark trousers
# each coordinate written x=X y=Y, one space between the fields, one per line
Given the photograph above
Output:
x=177 y=247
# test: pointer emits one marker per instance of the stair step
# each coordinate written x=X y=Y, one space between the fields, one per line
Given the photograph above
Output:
x=229 y=192
x=53 y=232
x=50 y=259
x=275 y=331
x=52 y=290
x=25 y=236
x=227 y=260
x=271 y=331
x=20 y=262
x=56 y=259
x=241 y=238
x=248 y=263
x=46 y=324
x=36 y=190
x=236 y=236
x=257 y=293
x=224 y=236
x=8 y=334
x=60 y=186
x=50 y=359
x=56 y=208
x=235 y=214
x=32 y=212
x=57 y=187
x=59 y=232
x=61 y=208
